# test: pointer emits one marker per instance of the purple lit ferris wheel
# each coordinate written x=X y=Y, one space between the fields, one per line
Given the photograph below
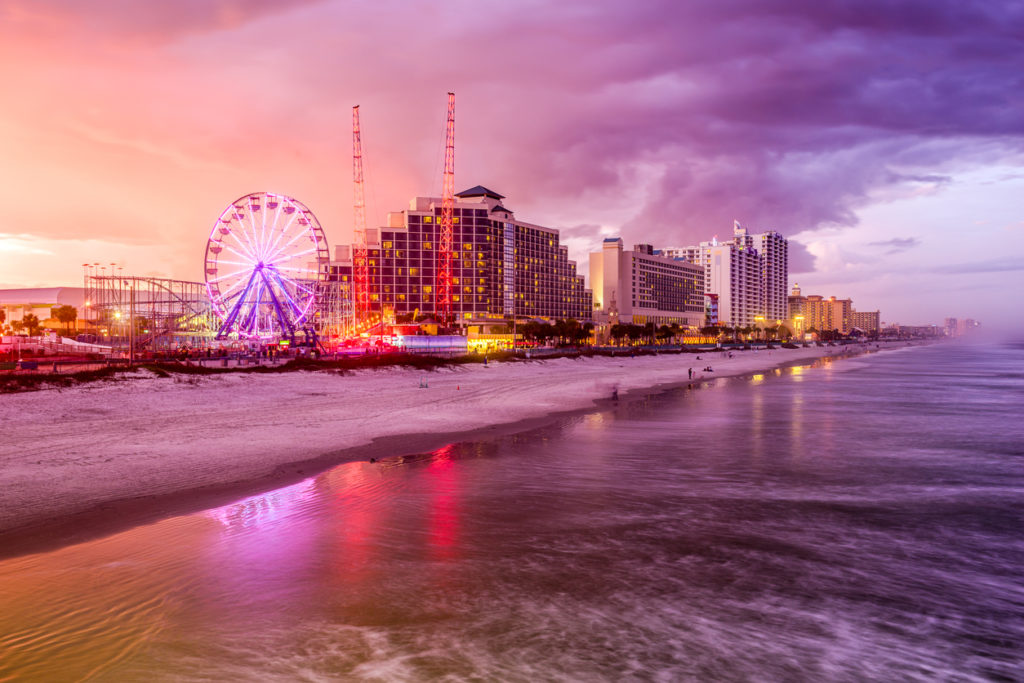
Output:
x=263 y=261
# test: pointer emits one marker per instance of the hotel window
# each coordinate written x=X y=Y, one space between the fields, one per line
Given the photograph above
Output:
x=414 y=271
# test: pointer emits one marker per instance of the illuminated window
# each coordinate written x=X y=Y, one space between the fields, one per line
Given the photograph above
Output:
x=427 y=289
x=455 y=298
x=387 y=245
x=414 y=271
x=428 y=219
x=428 y=245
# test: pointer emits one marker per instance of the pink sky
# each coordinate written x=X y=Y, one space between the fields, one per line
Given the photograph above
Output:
x=884 y=138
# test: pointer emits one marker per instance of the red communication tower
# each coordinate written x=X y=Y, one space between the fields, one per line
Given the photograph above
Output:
x=361 y=280
x=444 y=271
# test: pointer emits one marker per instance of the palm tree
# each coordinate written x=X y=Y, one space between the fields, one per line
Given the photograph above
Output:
x=65 y=314
x=31 y=323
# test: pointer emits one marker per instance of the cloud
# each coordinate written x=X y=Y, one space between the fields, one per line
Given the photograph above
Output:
x=896 y=244
x=661 y=121
x=1003 y=265
x=800 y=258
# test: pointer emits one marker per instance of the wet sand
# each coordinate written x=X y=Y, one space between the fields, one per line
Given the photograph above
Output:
x=82 y=463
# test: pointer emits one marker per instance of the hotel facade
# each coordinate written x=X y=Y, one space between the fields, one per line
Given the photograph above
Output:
x=749 y=275
x=501 y=266
x=641 y=286
x=820 y=313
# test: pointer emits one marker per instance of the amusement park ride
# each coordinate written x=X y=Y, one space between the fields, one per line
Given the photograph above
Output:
x=267 y=274
x=264 y=259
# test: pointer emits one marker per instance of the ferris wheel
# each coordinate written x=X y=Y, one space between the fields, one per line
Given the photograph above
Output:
x=263 y=263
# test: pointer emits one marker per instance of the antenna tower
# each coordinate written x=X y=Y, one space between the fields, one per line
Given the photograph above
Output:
x=361 y=294
x=444 y=271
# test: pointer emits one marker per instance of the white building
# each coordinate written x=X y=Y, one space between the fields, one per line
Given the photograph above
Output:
x=749 y=274
x=774 y=251
x=643 y=286
x=39 y=301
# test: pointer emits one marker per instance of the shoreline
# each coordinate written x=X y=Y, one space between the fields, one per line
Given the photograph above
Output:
x=30 y=522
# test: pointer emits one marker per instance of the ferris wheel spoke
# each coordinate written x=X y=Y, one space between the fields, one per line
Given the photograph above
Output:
x=284 y=230
x=298 y=235
x=263 y=227
x=237 y=263
x=234 y=285
x=227 y=275
x=292 y=281
x=244 y=244
x=289 y=257
x=251 y=259
x=255 y=234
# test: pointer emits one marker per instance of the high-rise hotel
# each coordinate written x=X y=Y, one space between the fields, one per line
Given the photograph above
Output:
x=748 y=274
x=500 y=265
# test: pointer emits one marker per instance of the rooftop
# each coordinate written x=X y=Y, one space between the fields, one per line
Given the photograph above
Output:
x=479 y=191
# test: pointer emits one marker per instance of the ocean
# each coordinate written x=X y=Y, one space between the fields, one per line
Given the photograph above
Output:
x=847 y=520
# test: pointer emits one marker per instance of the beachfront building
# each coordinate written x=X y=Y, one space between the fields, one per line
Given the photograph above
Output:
x=866 y=321
x=748 y=273
x=645 y=286
x=501 y=266
x=774 y=252
x=825 y=315
x=795 y=303
x=710 y=309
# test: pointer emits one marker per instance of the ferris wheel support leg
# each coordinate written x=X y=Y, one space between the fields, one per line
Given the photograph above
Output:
x=229 y=322
x=286 y=324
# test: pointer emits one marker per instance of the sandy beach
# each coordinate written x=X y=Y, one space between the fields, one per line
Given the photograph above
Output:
x=147 y=446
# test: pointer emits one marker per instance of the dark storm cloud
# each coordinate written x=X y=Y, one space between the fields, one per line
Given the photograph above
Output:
x=788 y=115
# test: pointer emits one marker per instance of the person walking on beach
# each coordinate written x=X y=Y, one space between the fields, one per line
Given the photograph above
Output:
x=690 y=371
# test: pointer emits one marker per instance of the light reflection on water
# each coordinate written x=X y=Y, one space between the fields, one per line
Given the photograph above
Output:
x=827 y=523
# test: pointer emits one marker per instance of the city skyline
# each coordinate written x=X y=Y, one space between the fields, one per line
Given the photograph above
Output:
x=879 y=140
